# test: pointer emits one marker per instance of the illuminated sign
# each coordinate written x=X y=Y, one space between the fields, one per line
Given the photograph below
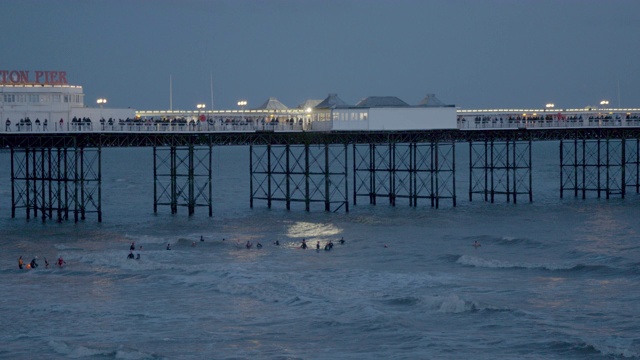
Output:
x=39 y=77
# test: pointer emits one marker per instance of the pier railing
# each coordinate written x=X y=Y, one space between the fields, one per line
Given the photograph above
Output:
x=465 y=121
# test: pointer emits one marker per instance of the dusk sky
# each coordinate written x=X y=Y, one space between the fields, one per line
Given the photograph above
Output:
x=471 y=53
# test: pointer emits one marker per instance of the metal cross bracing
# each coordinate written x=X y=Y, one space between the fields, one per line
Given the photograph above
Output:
x=182 y=177
x=51 y=182
x=594 y=166
x=500 y=168
x=406 y=170
x=299 y=173
x=632 y=164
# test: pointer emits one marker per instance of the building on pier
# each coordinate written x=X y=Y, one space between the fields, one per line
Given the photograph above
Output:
x=382 y=113
x=47 y=95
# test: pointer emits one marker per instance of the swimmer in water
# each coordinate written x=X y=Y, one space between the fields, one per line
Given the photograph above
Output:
x=248 y=245
x=202 y=238
x=304 y=244
x=276 y=243
x=318 y=245
x=20 y=263
x=476 y=244
x=341 y=241
x=258 y=245
x=61 y=261
x=168 y=246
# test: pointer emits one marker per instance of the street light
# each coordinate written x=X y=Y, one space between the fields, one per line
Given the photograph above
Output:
x=550 y=105
x=242 y=104
x=101 y=102
x=200 y=107
x=604 y=102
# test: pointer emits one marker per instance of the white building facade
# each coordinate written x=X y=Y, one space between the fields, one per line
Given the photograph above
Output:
x=47 y=95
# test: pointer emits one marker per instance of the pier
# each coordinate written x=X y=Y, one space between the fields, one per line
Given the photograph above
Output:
x=56 y=173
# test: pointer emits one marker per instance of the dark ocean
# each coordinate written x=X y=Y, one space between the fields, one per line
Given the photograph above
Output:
x=552 y=279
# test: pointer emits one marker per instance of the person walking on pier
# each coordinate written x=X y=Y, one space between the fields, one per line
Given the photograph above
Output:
x=7 y=125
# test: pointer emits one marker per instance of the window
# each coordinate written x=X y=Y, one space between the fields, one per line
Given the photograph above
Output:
x=9 y=98
x=56 y=98
x=34 y=98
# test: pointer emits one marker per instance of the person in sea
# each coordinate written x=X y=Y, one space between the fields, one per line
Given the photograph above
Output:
x=133 y=246
x=201 y=238
x=304 y=244
x=327 y=247
x=20 y=263
x=46 y=263
x=476 y=244
x=341 y=241
x=34 y=263
x=258 y=245
x=318 y=245
x=61 y=261
x=276 y=243
x=168 y=246
x=248 y=245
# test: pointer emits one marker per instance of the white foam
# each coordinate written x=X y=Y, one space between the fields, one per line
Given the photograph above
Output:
x=501 y=264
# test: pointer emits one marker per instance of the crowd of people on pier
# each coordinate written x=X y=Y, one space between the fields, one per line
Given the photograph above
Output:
x=251 y=123
x=220 y=123
x=547 y=120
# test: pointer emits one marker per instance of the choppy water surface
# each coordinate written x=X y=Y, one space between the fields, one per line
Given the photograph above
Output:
x=552 y=279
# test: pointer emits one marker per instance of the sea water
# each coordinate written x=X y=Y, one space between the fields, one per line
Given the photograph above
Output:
x=552 y=279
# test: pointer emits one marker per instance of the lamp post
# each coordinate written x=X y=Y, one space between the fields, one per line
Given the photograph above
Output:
x=242 y=104
x=550 y=106
x=604 y=103
x=101 y=102
x=200 y=108
x=308 y=119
